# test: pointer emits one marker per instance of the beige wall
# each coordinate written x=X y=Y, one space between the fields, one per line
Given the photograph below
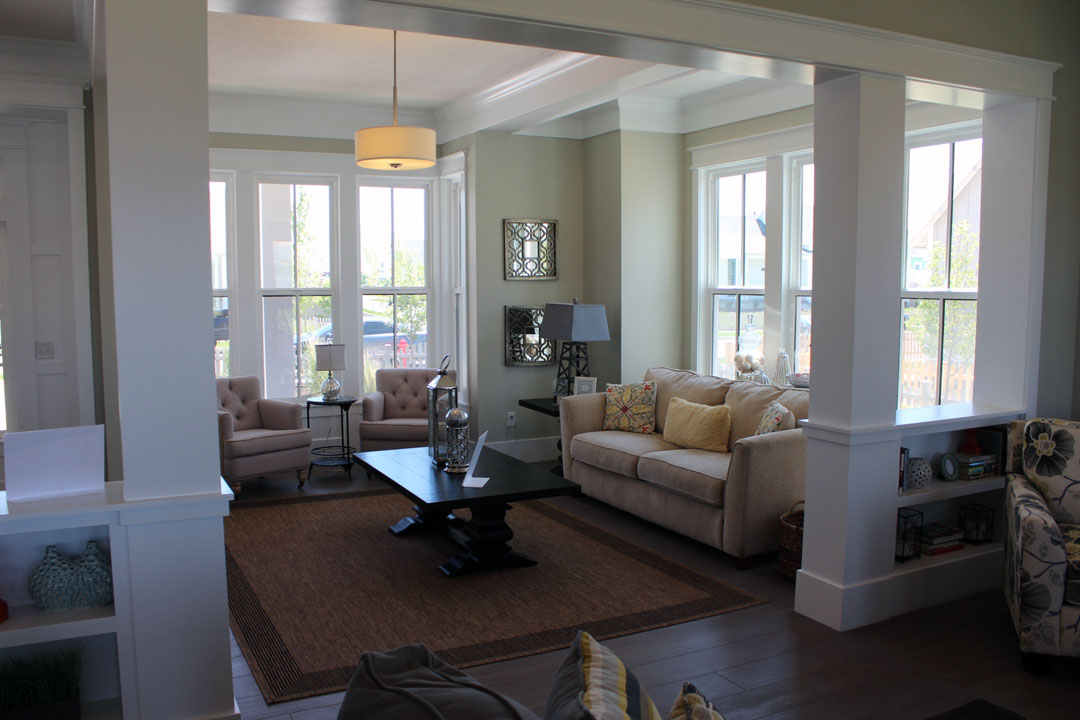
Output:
x=1044 y=29
x=603 y=249
x=654 y=245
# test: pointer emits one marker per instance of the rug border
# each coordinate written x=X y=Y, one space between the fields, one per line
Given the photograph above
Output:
x=290 y=683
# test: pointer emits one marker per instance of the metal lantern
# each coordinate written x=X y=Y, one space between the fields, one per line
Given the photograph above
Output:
x=909 y=523
x=457 y=441
x=441 y=398
x=977 y=522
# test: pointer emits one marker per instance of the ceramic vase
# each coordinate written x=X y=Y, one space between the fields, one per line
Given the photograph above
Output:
x=60 y=583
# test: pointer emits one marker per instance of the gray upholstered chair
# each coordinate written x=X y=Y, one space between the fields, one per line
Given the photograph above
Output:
x=395 y=415
x=257 y=436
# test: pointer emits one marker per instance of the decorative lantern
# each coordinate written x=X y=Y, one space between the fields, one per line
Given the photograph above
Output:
x=441 y=398
x=977 y=522
x=457 y=441
x=909 y=524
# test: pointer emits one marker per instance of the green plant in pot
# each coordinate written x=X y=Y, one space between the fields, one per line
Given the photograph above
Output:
x=42 y=688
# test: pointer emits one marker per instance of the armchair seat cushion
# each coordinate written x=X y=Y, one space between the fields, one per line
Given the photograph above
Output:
x=395 y=429
x=259 y=441
x=697 y=474
x=1071 y=535
x=617 y=451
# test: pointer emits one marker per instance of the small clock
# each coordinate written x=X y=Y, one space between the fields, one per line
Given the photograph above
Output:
x=950 y=467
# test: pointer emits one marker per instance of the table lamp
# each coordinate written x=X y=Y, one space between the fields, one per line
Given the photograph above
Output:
x=330 y=357
x=575 y=325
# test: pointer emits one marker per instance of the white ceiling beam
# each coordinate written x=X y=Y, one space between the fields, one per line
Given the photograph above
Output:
x=539 y=94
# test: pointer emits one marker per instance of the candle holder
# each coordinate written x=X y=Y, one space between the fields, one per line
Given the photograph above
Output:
x=909 y=524
x=977 y=522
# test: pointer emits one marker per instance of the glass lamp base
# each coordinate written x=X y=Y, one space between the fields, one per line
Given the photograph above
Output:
x=331 y=388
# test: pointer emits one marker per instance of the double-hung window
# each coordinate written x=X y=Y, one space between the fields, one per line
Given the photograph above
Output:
x=735 y=199
x=296 y=289
x=801 y=203
x=221 y=244
x=941 y=270
x=395 y=284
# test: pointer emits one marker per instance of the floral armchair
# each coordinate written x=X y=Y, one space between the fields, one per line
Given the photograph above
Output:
x=1042 y=538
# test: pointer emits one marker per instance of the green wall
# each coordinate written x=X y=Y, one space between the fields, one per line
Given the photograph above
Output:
x=1043 y=29
x=603 y=250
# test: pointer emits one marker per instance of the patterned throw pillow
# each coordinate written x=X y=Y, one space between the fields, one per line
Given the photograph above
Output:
x=631 y=407
x=692 y=705
x=1052 y=464
x=593 y=684
x=774 y=418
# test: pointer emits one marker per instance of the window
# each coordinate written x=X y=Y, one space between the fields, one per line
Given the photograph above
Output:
x=220 y=222
x=3 y=398
x=941 y=272
x=735 y=207
x=802 y=176
x=394 y=278
x=295 y=279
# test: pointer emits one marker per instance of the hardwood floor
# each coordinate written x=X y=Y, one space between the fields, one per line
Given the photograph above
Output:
x=766 y=661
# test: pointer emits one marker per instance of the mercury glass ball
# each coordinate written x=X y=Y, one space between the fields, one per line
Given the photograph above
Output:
x=457 y=418
x=919 y=473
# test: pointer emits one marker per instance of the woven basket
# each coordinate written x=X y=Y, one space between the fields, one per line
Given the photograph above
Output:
x=791 y=527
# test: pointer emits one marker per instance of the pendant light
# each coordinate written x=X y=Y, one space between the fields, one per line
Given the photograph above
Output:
x=395 y=147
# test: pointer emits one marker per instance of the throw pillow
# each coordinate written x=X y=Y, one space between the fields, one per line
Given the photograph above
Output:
x=593 y=684
x=691 y=425
x=631 y=407
x=775 y=417
x=692 y=705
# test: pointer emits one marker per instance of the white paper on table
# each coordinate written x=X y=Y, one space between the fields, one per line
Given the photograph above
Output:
x=41 y=464
x=471 y=481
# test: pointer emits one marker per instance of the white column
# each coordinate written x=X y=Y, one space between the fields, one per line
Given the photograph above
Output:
x=1016 y=142
x=850 y=513
x=157 y=169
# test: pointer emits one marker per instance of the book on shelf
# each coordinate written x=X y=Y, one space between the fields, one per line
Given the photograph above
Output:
x=978 y=471
x=941 y=549
x=975 y=459
x=904 y=453
x=936 y=533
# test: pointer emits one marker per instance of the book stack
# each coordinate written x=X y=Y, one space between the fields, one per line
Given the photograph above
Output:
x=938 y=539
x=973 y=467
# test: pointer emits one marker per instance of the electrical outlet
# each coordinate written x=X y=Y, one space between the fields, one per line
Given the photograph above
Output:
x=44 y=351
x=511 y=419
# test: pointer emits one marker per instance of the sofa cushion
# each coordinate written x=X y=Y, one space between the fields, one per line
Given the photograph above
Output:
x=701 y=389
x=749 y=400
x=394 y=429
x=775 y=417
x=697 y=474
x=616 y=451
x=1052 y=464
x=691 y=425
x=630 y=407
x=257 y=442
x=593 y=684
x=1071 y=535
x=410 y=683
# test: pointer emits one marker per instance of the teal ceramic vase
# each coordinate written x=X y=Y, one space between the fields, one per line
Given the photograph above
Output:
x=60 y=583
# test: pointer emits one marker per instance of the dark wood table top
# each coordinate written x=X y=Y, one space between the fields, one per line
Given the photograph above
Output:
x=411 y=472
x=546 y=405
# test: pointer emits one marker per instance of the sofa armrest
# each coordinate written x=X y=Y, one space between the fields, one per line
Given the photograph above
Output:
x=767 y=475
x=373 y=406
x=578 y=414
x=225 y=431
x=281 y=415
x=1035 y=567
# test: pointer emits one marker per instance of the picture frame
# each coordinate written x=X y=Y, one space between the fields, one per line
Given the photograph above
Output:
x=529 y=249
x=524 y=346
x=584 y=385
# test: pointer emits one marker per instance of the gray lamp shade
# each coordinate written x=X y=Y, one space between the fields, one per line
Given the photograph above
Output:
x=330 y=357
x=572 y=322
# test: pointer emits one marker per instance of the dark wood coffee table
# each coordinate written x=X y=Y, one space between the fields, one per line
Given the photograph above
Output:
x=438 y=493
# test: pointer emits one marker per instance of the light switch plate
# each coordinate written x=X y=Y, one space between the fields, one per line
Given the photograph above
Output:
x=44 y=351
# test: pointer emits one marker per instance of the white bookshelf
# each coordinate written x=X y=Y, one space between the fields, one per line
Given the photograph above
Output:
x=943 y=490
x=29 y=625
x=970 y=552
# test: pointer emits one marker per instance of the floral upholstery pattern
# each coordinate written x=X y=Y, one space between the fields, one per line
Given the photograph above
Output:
x=630 y=407
x=1042 y=550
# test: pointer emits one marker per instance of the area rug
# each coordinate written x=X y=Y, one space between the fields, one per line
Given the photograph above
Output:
x=314 y=582
x=978 y=710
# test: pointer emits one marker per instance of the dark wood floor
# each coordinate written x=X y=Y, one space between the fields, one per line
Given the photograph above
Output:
x=766 y=661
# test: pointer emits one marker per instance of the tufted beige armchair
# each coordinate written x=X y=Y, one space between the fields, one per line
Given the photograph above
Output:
x=256 y=436
x=395 y=415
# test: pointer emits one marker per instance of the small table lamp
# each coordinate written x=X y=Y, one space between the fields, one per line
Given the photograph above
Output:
x=575 y=324
x=330 y=357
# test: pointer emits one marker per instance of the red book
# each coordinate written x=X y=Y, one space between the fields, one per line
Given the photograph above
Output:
x=943 y=550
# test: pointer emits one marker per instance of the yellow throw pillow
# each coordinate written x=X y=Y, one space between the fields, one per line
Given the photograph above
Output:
x=692 y=705
x=631 y=407
x=691 y=425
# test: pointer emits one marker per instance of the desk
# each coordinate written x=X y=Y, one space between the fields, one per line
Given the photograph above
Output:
x=333 y=455
x=548 y=406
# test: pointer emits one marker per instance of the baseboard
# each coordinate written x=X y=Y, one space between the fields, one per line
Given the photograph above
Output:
x=530 y=450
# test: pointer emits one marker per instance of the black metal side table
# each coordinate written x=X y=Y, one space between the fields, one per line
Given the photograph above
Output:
x=333 y=455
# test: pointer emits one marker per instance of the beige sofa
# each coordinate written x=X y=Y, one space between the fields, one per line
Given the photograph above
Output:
x=731 y=501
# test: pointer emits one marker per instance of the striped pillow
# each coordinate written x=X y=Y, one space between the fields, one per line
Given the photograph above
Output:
x=692 y=705
x=593 y=684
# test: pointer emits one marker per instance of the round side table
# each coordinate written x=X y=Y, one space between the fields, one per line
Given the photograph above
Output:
x=333 y=455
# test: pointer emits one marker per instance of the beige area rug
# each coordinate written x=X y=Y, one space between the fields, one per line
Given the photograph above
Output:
x=315 y=582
